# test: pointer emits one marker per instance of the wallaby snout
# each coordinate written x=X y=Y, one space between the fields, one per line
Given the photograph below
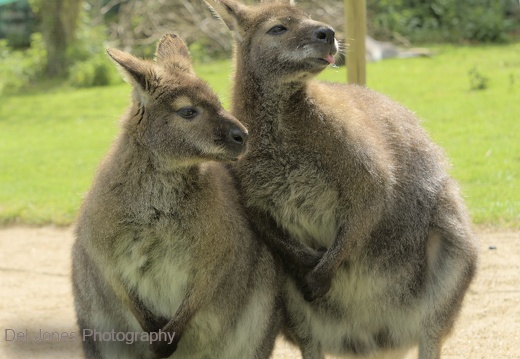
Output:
x=325 y=35
x=231 y=135
x=234 y=139
x=237 y=136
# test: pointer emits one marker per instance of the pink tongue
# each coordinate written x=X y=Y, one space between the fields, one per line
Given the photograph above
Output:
x=329 y=59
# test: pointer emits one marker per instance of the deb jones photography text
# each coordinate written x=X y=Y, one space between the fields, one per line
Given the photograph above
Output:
x=24 y=335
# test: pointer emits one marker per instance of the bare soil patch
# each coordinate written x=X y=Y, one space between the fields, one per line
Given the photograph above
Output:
x=35 y=294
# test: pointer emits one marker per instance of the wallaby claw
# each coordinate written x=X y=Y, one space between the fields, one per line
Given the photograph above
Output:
x=316 y=286
x=155 y=323
x=163 y=349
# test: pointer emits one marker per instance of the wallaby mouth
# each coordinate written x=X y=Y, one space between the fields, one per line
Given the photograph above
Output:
x=326 y=45
x=329 y=59
x=326 y=60
x=325 y=55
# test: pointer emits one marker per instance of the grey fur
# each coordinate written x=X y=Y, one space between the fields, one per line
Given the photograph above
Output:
x=161 y=240
x=349 y=192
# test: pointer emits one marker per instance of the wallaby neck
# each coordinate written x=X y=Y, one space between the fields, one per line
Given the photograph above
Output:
x=148 y=191
x=146 y=170
x=259 y=100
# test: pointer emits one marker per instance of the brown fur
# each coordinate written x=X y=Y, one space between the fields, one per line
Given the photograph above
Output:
x=349 y=192
x=161 y=241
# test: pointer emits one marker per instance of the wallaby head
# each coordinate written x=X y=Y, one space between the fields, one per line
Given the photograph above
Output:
x=277 y=40
x=174 y=114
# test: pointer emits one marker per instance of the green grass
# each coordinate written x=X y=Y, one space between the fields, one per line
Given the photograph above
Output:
x=52 y=140
x=50 y=144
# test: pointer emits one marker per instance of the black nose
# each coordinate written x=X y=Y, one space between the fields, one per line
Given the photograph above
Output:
x=325 y=34
x=237 y=136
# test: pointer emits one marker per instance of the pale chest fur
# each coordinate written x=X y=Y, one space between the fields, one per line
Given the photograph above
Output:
x=156 y=264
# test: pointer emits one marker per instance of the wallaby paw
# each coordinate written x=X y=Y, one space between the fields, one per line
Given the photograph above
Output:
x=313 y=258
x=315 y=286
x=163 y=349
x=155 y=323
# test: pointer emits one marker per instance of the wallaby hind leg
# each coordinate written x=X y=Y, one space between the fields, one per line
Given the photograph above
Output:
x=397 y=354
x=265 y=350
x=310 y=348
x=392 y=354
x=90 y=349
x=449 y=275
x=446 y=283
x=312 y=351
x=429 y=347
x=99 y=313
x=98 y=347
x=452 y=261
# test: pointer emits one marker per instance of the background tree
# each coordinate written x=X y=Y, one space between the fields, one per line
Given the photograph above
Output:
x=59 y=19
x=136 y=24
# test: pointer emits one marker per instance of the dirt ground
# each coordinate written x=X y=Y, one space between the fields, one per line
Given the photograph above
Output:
x=35 y=294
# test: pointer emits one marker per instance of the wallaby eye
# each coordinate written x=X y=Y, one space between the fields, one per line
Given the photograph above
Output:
x=187 y=112
x=277 y=30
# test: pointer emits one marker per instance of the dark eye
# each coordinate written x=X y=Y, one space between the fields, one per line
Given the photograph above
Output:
x=187 y=112
x=277 y=30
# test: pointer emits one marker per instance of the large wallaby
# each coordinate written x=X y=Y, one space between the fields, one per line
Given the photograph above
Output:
x=162 y=243
x=348 y=190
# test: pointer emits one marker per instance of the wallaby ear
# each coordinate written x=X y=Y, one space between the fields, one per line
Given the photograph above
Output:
x=132 y=69
x=231 y=12
x=172 y=51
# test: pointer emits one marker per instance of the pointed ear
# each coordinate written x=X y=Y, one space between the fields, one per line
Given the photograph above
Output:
x=133 y=70
x=231 y=12
x=172 y=51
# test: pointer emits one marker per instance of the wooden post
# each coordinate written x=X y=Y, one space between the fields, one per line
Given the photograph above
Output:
x=355 y=31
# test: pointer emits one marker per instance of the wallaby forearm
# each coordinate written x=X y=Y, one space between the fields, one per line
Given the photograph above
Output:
x=318 y=281
x=294 y=254
x=176 y=327
x=201 y=291
x=148 y=321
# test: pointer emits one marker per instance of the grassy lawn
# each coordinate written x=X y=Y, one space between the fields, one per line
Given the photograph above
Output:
x=52 y=140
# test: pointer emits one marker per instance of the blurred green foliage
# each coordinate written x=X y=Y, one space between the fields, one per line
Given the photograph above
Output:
x=18 y=68
x=90 y=65
x=444 y=20
x=419 y=21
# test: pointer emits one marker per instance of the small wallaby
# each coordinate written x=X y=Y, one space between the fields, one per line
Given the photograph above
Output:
x=162 y=243
x=348 y=190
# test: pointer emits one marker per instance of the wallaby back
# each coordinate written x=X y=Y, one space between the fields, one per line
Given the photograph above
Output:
x=162 y=243
x=347 y=188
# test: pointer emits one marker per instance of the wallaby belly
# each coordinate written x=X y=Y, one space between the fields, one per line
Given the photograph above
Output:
x=357 y=316
x=158 y=274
